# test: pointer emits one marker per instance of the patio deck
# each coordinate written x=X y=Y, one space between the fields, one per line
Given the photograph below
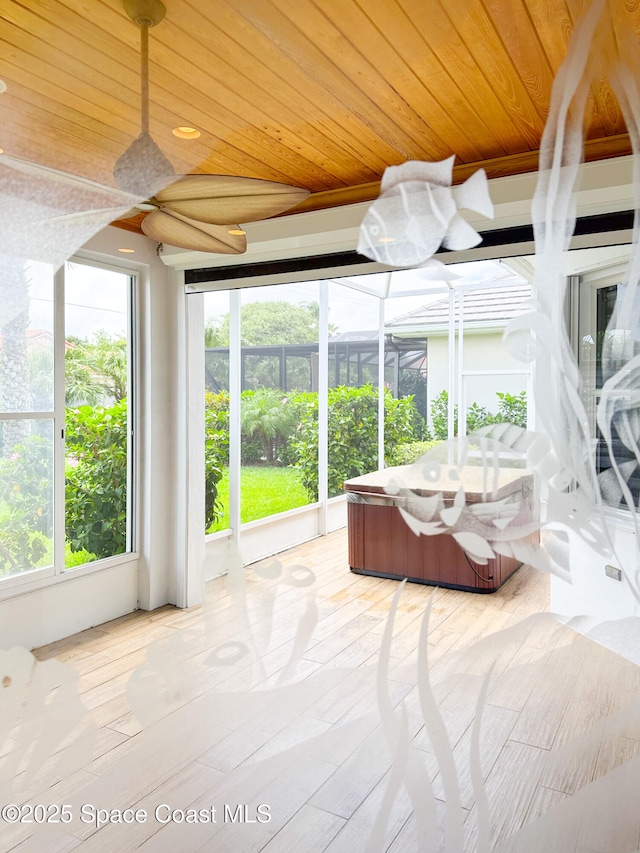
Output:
x=276 y=693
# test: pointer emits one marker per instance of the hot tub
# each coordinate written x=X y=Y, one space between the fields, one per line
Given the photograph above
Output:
x=496 y=504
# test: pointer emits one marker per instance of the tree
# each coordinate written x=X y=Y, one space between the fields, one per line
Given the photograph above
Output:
x=268 y=416
x=96 y=371
x=263 y=323
x=14 y=368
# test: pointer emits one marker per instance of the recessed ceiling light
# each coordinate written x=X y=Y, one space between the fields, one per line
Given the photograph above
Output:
x=387 y=240
x=185 y=132
x=1 y=150
x=126 y=251
x=3 y=86
x=237 y=231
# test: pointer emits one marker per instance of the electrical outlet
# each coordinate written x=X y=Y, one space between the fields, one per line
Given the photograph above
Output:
x=613 y=572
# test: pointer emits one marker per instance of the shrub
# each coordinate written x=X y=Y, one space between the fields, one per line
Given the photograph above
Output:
x=216 y=423
x=26 y=486
x=353 y=434
x=76 y=558
x=216 y=449
x=413 y=383
x=21 y=550
x=96 y=479
x=440 y=417
x=212 y=476
x=407 y=454
x=512 y=409
x=26 y=505
x=478 y=416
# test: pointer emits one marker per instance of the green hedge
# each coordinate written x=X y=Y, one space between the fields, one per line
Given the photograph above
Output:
x=512 y=409
x=407 y=454
x=280 y=428
x=352 y=434
x=26 y=505
x=96 y=479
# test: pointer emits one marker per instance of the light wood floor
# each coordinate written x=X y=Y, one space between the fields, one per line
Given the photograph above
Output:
x=276 y=693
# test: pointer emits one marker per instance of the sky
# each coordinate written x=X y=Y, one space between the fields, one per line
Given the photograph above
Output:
x=95 y=299
x=352 y=310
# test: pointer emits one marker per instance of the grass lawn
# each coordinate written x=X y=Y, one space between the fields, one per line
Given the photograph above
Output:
x=265 y=491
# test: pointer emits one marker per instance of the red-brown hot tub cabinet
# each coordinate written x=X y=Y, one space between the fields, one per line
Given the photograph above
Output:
x=382 y=544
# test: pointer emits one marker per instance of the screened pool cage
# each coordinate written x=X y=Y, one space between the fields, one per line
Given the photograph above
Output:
x=334 y=356
x=421 y=315
x=295 y=367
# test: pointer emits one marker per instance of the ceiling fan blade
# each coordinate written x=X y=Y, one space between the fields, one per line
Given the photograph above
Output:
x=73 y=182
x=101 y=217
x=168 y=227
x=223 y=199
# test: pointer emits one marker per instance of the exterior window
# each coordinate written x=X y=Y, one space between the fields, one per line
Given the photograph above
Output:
x=65 y=417
x=217 y=402
x=26 y=418
x=605 y=349
x=98 y=414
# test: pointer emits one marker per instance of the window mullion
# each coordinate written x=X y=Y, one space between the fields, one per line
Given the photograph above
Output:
x=132 y=415
x=59 y=422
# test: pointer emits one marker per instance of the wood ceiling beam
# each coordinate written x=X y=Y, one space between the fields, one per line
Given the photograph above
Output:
x=498 y=167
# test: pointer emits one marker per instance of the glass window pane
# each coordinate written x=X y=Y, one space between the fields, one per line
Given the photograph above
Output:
x=353 y=395
x=26 y=337
x=26 y=495
x=278 y=411
x=302 y=372
x=216 y=360
x=260 y=371
x=97 y=417
x=609 y=343
x=496 y=398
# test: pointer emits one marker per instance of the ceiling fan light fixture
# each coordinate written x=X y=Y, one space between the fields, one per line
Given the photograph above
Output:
x=145 y=13
x=143 y=168
x=183 y=131
x=236 y=231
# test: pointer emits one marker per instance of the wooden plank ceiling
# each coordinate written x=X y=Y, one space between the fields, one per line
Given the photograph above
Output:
x=323 y=94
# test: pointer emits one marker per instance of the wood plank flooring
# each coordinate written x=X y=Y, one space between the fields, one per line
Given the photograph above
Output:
x=291 y=691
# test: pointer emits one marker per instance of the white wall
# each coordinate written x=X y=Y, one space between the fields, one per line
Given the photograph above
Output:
x=607 y=609
x=482 y=351
x=41 y=616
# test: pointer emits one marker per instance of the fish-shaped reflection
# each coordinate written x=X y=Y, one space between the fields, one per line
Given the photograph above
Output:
x=417 y=212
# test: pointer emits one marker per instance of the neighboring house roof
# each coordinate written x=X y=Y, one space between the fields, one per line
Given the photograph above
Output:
x=41 y=338
x=491 y=306
x=349 y=337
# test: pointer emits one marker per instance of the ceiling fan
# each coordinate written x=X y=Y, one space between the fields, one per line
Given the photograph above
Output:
x=197 y=212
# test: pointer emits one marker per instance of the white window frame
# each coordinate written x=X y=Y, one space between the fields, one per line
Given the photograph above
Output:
x=38 y=578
